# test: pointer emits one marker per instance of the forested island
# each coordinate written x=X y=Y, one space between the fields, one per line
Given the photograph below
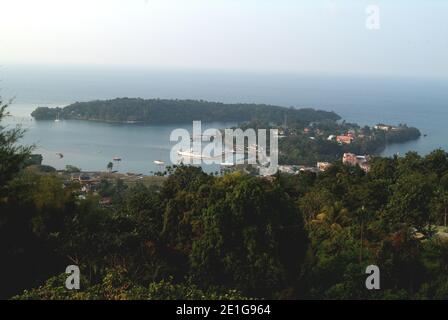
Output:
x=162 y=111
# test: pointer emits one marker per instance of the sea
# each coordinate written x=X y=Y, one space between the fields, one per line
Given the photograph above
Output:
x=90 y=146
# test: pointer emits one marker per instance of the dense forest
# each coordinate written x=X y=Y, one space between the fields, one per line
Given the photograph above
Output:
x=159 y=111
x=198 y=236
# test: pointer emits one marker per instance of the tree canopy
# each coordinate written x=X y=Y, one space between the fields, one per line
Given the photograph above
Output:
x=163 y=111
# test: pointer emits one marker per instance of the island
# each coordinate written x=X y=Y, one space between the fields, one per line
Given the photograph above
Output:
x=164 y=111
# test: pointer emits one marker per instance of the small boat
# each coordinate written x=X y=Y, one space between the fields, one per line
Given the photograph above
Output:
x=192 y=155
x=117 y=159
x=189 y=154
x=57 y=118
x=60 y=155
x=159 y=162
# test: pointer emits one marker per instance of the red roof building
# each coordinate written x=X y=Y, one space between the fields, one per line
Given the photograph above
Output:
x=344 y=139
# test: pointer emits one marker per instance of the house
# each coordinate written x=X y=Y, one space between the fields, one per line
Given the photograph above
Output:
x=353 y=160
x=344 y=139
x=85 y=179
x=383 y=127
x=82 y=178
x=349 y=159
x=323 y=166
x=281 y=133
x=308 y=169
x=88 y=183
x=287 y=169
x=365 y=166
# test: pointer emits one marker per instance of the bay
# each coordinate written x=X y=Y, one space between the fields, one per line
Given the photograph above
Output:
x=422 y=103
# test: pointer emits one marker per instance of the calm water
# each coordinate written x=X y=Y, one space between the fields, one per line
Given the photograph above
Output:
x=91 y=145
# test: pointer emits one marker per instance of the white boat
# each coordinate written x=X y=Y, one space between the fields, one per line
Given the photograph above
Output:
x=159 y=162
x=189 y=154
x=192 y=155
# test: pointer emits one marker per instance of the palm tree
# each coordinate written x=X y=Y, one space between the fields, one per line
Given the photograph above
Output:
x=110 y=166
x=363 y=216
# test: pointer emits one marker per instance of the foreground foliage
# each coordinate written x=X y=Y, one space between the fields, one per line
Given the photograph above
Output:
x=116 y=286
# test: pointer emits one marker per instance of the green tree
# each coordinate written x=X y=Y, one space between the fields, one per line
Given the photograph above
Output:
x=12 y=156
x=72 y=169
x=253 y=237
x=410 y=201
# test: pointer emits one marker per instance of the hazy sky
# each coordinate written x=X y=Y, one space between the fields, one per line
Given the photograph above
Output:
x=248 y=35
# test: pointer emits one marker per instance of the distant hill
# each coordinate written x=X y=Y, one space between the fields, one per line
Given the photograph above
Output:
x=160 y=111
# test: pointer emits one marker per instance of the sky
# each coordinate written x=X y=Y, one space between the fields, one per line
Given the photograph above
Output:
x=292 y=36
